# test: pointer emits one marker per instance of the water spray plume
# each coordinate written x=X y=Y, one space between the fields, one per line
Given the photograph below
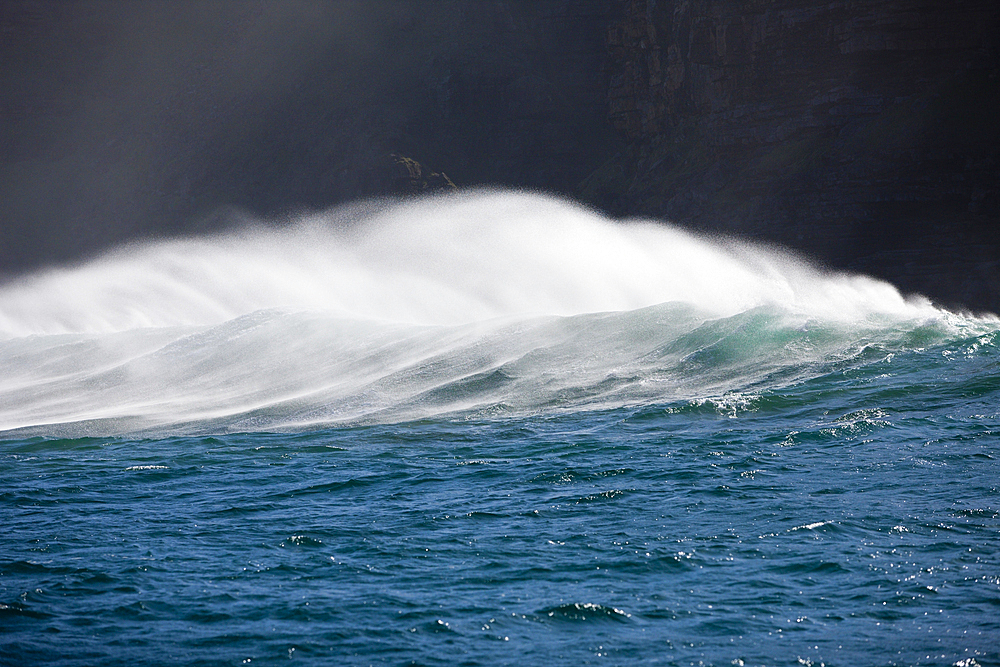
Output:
x=447 y=260
x=478 y=304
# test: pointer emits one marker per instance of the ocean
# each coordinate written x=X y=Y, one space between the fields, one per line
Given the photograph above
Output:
x=491 y=428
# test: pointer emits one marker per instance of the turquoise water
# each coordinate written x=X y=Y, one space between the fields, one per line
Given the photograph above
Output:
x=591 y=443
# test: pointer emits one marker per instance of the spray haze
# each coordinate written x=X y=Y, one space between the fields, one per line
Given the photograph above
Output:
x=441 y=261
x=139 y=119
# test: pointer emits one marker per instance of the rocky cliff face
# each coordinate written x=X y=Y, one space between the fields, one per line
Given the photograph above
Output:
x=866 y=132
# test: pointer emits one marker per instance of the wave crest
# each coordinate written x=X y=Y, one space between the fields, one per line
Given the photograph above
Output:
x=481 y=304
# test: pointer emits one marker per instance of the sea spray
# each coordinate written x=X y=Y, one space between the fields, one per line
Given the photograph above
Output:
x=483 y=303
x=445 y=260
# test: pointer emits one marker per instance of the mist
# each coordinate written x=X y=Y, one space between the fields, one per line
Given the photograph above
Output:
x=147 y=118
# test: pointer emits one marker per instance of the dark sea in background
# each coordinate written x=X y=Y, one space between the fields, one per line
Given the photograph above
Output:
x=492 y=429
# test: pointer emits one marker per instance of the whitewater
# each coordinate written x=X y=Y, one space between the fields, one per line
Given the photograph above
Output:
x=491 y=428
x=492 y=303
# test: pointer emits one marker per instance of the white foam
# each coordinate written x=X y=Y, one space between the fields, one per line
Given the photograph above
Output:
x=488 y=303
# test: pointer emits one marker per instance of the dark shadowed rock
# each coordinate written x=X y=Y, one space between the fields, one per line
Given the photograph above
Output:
x=864 y=132
x=399 y=175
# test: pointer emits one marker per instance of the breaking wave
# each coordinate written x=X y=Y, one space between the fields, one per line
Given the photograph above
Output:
x=480 y=304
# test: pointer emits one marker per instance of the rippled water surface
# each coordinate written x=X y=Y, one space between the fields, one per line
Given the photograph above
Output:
x=852 y=519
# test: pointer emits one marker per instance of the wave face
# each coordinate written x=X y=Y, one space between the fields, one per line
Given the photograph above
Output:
x=482 y=304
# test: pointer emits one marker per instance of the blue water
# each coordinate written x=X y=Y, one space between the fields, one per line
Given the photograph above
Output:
x=570 y=441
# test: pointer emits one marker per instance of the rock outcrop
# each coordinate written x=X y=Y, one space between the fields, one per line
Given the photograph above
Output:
x=403 y=176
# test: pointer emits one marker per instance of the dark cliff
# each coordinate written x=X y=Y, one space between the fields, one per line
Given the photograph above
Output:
x=866 y=133
x=862 y=132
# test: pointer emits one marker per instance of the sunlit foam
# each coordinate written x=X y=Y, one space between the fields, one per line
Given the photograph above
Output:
x=487 y=303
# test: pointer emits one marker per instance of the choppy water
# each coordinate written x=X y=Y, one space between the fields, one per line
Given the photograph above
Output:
x=492 y=429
